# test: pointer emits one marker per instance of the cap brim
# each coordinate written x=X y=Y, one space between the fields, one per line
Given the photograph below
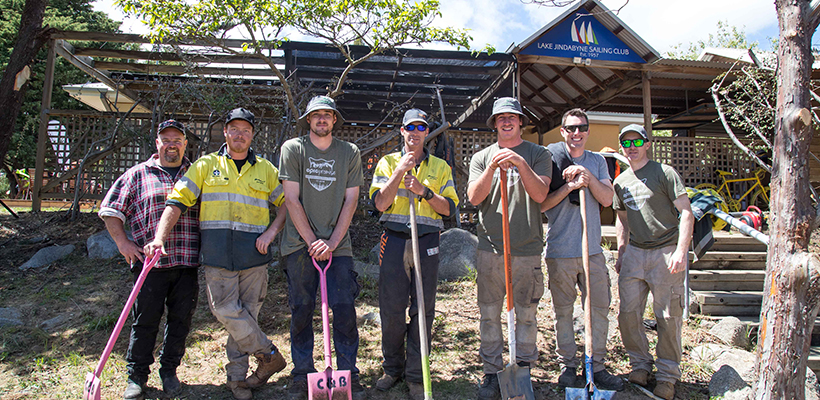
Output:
x=240 y=118
x=415 y=120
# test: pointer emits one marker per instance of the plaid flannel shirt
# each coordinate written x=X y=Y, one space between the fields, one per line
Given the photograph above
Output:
x=139 y=196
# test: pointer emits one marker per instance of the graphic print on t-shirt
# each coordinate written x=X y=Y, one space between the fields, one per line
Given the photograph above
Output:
x=512 y=176
x=635 y=195
x=320 y=173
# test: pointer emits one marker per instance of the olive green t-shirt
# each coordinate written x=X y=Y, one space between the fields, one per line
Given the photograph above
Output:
x=526 y=230
x=647 y=195
x=323 y=177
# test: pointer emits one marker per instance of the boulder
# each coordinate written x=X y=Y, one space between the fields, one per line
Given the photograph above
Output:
x=50 y=324
x=694 y=306
x=102 y=246
x=373 y=256
x=457 y=254
x=368 y=270
x=718 y=355
x=47 y=256
x=373 y=317
x=731 y=331
x=10 y=317
x=727 y=384
x=812 y=387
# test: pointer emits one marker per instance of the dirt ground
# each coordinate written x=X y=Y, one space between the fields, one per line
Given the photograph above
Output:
x=36 y=364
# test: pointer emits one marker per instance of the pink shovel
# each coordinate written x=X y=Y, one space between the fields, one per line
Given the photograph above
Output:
x=327 y=384
x=91 y=389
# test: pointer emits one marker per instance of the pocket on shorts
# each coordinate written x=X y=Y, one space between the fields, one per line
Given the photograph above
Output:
x=676 y=302
x=538 y=285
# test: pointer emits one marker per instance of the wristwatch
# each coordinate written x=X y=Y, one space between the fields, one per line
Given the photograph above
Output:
x=428 y=194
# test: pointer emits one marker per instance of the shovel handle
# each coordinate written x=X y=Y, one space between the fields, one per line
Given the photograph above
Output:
x=505 y=232
x=587 y=285
x=325 y=312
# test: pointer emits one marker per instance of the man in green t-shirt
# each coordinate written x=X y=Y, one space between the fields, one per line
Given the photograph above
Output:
x=529 y=167
x=321 y=176
x=654 y=230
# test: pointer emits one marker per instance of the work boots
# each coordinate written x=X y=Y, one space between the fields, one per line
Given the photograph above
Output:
x=489 y=389
x=665 y=390
x=269 y=364
x=240 y=390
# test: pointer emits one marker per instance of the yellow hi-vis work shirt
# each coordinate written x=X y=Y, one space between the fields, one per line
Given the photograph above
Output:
x=434 y=173
x=234 y=209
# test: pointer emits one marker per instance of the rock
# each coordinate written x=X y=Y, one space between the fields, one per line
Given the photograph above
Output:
x=371 y=271
x=102 y=246
x=34 y=240
x=609 y=256
x=707 y=324
x=812 y=387
x=373 y=317
x=694 y=306
x=10 y=317
x=457 y=254
x=47 y=256
x=50 y=324
x=727 y=383
x=373 y=256
x=718 y=355
x=732 y=332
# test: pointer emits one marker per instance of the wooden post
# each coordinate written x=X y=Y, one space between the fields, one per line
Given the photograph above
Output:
x=517 y=83
x=42 y=136
x=647 y=103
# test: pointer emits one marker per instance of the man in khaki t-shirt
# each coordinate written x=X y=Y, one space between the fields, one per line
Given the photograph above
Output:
x=654 y=230
x=528 y=167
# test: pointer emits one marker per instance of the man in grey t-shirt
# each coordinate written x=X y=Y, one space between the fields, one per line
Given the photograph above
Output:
x=587 y=171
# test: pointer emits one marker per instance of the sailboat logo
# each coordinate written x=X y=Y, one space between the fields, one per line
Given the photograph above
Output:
x=584 y=35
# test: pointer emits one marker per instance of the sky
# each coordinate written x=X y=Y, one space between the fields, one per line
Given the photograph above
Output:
x=661 y=23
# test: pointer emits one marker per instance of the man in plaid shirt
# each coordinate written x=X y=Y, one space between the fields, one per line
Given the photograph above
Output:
x=138 y=196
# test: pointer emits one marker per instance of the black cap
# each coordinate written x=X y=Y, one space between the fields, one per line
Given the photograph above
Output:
x=243 y=114
x=171 y=123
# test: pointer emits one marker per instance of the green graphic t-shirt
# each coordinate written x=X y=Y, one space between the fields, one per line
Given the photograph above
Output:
x=526 y=230
x=323 y=177
x=647 y=196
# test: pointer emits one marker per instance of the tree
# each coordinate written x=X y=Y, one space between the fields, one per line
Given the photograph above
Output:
x=727 y=36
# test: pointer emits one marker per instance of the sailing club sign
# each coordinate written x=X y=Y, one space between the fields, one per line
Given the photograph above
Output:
x=581 y=35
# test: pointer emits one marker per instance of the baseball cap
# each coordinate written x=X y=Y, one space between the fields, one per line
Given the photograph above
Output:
x=414 y=115
x=171 y=123
x=633 y=128
x=243 y=114
x=506 y=105
x=320 y=103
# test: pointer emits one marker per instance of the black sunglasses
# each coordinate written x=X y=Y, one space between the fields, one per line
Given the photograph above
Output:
x=411 y=128
x=627 y=143
x=580 y=128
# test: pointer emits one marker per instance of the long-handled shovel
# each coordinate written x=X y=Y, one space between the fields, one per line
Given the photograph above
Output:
x=91 y=389
x=590 y=391
x=327 y=384
x=513 y=380
x=422 y=314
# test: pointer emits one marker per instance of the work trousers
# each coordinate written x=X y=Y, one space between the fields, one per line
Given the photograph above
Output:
x=342 y=288
x=564 y=274
x=396 y=288
x=643 y=271
x=235 y=298
x=528 y=287
x=178 y=290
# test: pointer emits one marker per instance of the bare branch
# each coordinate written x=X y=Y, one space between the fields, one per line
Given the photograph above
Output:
x=735 y=140
x=751 y=123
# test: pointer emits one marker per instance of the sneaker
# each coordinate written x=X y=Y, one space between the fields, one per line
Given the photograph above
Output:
x=357 y=389
x=568 y=377
x=134 y=390
x=240 y=390
x=269 y=364
x=639 y=376
x=386 y=382
x=298 y=390
x=665 y=390
x=416 y=390
x=604 y=380
x=489 y=389
x=170 y=384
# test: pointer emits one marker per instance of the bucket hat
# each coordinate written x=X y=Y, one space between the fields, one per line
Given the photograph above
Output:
x=320 y=103
x=506 y=105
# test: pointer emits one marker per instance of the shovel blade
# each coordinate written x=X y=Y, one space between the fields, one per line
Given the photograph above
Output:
x=91 y=389
x=329 y=385
x=586 y=394
x=515 y=383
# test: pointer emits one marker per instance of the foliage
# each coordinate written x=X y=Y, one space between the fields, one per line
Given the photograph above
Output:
x=727 y=36
x=750 y=100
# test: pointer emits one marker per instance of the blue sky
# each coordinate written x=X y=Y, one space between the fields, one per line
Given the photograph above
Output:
x=661 y=23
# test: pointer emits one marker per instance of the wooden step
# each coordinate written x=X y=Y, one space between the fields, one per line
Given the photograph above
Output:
x=754 y=321
x=814 y=358
x=724 y=241
x=737 y=260
x=735 y=303
x=726 y=280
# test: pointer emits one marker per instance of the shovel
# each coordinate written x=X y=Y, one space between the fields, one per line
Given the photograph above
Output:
x=327 y=384
x=590 y=391
x=91 y=389
x=422 y=316
x=513 y=380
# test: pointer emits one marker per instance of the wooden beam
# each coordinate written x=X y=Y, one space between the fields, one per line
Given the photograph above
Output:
x=536 y=91
x=569 y=81
x=612 y=90
x=486 y=96
x=550 y=85
x=592 y=77
x=64 y=49
x=42 y=131
x=647 y=103
x=707 y=70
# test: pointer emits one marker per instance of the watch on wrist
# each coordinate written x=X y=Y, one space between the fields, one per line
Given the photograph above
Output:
x=428 y=194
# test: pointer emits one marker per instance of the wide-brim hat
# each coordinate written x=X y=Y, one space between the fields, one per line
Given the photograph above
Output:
x=507 y=105
x=243 y=114
x=171 y=123
x=633 y=128
x=320 y=103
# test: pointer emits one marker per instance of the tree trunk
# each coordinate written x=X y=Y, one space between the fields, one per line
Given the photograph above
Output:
x=790 y=293
x=30 y=38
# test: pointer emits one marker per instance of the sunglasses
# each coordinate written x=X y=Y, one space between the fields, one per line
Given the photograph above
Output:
x=580 y=128
x=411 y=128
x=627 y=143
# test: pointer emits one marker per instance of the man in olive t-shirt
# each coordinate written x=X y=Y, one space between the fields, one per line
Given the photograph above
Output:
x=321 y=176
x=654 y=230
x=528 y=167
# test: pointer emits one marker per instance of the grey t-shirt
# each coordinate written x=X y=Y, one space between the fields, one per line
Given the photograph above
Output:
x=648 y=196
x=526 y=231
x=323 y=177
x=564 y=229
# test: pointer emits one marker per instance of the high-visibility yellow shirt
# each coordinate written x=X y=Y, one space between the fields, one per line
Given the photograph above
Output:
x=234 y=207
x=434 y=173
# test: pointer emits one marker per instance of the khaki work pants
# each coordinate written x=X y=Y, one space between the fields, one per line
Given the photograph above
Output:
x=643 y=271
x=564 y=275
x=528 y=287
x=235 y=298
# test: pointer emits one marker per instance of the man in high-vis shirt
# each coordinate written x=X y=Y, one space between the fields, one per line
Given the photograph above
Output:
x=235 y=187
x=398 y=175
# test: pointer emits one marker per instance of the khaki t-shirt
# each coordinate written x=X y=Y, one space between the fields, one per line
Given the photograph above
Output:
x=526 y=230
x=323 y=177
x=647 y=196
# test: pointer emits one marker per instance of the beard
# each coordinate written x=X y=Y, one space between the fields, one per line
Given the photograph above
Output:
x=171 y=157
x=322 y=131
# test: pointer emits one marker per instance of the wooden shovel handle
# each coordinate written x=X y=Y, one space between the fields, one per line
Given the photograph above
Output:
x=505 y=233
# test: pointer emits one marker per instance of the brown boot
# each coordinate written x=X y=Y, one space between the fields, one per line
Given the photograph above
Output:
x=416 y=390
x=269 y=364
x=665 y=390
x=639 y=376
x=240 y=390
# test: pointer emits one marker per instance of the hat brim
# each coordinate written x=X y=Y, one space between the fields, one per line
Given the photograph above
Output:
x=415 y=120
x=622 y=134
x=491 y=120
x=304 y=124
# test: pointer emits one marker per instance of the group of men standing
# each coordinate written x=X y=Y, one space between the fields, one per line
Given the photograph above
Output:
x=215 y=213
